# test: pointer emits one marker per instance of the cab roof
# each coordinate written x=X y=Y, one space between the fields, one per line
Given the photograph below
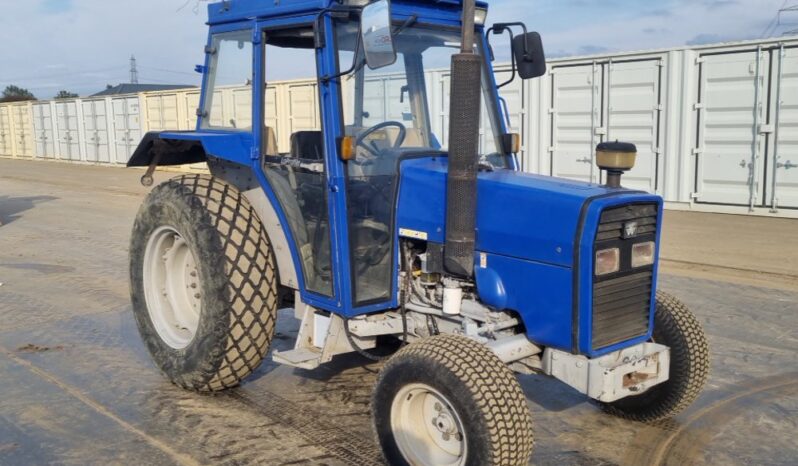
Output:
x=240 y=10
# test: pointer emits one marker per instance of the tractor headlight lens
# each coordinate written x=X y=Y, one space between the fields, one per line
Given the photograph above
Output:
x=643 y=254
x=608 y=261
x=480 y=16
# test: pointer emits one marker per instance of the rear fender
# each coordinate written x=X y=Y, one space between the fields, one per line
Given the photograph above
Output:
x=173 y=151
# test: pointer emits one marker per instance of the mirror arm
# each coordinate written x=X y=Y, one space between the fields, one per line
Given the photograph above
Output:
x=409 y=22
x=497 y=29
x=319 y=39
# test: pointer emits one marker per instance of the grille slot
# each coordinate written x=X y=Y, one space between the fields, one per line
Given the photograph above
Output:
x=621 y=308
x=622 y=301
x=613 y=220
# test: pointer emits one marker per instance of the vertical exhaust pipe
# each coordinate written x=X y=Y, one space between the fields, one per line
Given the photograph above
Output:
x=461 y=187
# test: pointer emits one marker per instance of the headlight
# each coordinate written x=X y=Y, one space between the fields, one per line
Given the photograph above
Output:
x=608 y=261
x=643 y=254
x=480 y=16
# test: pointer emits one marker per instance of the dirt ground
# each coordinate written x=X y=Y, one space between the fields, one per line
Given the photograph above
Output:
x=77 y=386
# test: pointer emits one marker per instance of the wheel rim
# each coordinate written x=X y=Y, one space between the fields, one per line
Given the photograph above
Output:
x=171 y=287
x=428 y=431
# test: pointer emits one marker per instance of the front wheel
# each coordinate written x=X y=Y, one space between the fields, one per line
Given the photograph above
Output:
x=449 y=401
x=203 y=283
x=676 y=327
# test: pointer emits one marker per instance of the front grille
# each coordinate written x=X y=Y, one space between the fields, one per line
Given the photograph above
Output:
x=613 y=221
x=621 y=308
x=622 y=301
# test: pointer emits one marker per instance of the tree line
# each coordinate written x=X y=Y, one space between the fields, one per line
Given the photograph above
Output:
x=18 y=94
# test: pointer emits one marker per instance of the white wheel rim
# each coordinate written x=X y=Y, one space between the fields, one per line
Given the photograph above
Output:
x=171 y=287
x=428 y=431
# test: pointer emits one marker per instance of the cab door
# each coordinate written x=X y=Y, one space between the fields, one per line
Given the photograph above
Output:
x=294 y=154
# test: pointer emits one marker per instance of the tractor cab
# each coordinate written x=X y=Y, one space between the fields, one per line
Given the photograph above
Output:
x=334 y=172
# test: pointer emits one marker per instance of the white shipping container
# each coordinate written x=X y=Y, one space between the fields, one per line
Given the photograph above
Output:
x=43 y=130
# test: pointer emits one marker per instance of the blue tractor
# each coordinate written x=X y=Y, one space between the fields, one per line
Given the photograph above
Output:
x=398 y=235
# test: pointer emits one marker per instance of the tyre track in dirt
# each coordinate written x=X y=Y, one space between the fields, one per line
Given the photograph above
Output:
x=672 y=442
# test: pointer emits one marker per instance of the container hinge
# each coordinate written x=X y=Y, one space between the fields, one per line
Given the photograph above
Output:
x=699 y=60
x=765 y=129
x=695 y=195
x=697 y=150
x=698 y=106
x=551 y=149
x=552 y=110
x=254 y=153
x=658 y=150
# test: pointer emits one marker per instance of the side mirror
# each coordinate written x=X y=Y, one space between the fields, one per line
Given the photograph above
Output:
x=376 y=34
x=529 y=56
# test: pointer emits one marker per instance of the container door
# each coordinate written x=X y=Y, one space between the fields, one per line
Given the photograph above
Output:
x=127 y=128
x=162 y=112
x=95 y=125
x=5 y=131
x=242 y=107
x=576 y=125
x=68 y=130
x=23 y=124
x=783 y=152
x=633 y=115
x=43 y=130
x=192 y=104
x=272 y=120
x=730 y=110
x=303 y=110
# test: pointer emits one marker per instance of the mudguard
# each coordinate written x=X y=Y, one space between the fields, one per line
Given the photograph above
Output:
x=170 y=151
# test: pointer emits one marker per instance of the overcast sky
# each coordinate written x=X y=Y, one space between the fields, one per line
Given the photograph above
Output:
x=82 y=45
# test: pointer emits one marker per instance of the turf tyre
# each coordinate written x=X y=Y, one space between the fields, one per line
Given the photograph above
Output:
x=676 y=327
x=237 y=278
x=481 y=389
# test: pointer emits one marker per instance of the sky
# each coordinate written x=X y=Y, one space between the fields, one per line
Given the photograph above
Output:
x=82 y=45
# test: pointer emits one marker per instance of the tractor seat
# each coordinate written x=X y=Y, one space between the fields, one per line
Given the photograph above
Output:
x=307 y=145
x=270 y=142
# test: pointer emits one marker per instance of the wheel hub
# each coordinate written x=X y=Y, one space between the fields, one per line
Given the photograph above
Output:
x=172 y=287
x=427 y=429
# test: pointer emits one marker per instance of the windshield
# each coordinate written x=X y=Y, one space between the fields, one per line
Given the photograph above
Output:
x=390 y=108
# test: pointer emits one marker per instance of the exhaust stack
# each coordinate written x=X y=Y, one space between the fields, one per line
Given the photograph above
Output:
x=461 y=188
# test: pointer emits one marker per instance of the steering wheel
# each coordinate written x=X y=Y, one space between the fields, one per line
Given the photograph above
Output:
x=372 y=149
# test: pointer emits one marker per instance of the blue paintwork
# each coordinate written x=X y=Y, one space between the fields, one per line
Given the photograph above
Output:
x=526 y=224
x=240 y=10
x=515 y=211
x=233 y=146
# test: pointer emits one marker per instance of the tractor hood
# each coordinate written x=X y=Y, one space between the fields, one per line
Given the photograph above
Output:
x=519 y=215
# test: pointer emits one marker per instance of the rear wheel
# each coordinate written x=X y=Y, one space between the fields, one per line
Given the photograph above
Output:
x=675 y=326
x=449 y=401
x=203 y=283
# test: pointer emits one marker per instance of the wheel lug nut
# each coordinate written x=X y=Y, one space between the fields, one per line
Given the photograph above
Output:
x=193 y=274
x=193 y=285
x=445 y=437
x=197 y=295
x=438 y=407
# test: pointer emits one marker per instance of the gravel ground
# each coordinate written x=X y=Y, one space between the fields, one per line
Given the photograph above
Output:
x=77 y=386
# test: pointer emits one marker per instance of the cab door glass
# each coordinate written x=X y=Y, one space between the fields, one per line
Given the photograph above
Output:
x=293 y=150
x=228 y=101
